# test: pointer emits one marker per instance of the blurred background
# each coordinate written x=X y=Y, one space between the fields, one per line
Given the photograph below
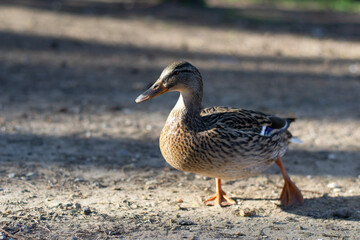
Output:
x=70 y=130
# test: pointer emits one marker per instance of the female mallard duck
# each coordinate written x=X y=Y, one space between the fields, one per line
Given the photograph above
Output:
x=219 y=142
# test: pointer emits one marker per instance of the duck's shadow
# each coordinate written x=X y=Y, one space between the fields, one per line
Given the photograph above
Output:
x=325 y=207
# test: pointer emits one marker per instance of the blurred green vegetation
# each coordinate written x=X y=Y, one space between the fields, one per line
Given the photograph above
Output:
x=200 y=3
x=333 y=5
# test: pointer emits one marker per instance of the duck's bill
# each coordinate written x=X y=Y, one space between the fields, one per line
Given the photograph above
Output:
x=151 y=93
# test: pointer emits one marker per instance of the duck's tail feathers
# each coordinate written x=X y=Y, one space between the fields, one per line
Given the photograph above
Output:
x=295 y=140
x=289 y=121
x=292 y=139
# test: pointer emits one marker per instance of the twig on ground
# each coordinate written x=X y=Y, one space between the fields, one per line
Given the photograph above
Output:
x=9 y=234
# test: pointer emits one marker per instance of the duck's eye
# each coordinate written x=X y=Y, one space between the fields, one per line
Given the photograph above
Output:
x=176 y=73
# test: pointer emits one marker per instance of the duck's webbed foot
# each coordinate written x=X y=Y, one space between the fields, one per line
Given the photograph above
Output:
x=219 y=199
x=290 y=194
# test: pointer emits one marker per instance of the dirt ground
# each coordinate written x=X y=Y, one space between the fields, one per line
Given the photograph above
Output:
x=80 y=160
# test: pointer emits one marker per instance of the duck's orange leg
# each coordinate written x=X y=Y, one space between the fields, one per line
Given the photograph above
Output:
x=290 y=194
x=220 y=198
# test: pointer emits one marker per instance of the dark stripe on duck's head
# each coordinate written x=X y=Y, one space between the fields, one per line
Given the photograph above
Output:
x=180 y=66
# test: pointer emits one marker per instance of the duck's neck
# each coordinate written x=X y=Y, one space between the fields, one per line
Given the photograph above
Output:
x=188 y=107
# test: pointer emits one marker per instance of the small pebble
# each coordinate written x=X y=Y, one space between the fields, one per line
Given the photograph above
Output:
x=12 y=175
x=78 y=179
x=77 y=206
x=99 y=185
x=181 y=208
x=354 y=68
x=30 y=175
x=151 y=182
x=332 y=156
x=333 y=185
x=246 y=213
x=129 y=166
x=240 y=234
x=186 y=223
x=88 y=134
x=87 y=210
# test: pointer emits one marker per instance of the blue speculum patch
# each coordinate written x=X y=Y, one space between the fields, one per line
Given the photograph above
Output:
x=265 y=131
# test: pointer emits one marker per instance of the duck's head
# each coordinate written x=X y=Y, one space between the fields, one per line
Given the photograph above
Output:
x=179 y=76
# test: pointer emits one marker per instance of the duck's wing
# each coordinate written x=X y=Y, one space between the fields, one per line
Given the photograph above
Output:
x=243 y=141
x=243 y=120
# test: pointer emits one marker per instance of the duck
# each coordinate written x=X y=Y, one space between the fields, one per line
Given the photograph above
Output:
x=219 y=142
